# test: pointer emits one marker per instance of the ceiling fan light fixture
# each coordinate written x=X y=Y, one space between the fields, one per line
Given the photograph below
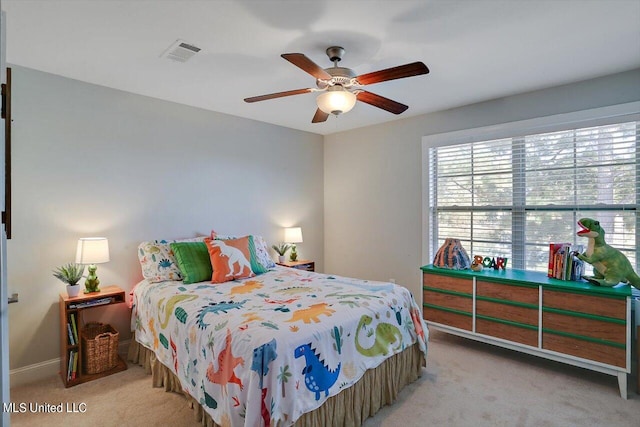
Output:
x=336 y=100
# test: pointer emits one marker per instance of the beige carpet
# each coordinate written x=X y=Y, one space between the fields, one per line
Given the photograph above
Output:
x=465 y=384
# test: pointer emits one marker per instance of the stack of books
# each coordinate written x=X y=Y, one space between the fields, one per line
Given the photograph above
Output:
x=72 y=330
x=92 y=303
x=72 y=369
x=563 y=262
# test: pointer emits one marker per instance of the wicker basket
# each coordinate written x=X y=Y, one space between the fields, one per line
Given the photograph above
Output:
x=99 y=348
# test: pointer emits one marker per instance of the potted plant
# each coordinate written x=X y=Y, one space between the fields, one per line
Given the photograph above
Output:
x=70 y=274
x=281 y=249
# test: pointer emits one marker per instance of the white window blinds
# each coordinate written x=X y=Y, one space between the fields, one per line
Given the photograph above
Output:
x=511 y=197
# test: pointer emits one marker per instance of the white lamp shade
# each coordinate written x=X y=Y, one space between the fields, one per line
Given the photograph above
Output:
x=336 y=100
x=92 y=250
x=293 y=235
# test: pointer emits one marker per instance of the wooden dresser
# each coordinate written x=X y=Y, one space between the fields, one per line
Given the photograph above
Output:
x=571 y=322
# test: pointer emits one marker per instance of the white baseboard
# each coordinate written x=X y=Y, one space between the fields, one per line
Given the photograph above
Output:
x=35 y=372
x=48 y=368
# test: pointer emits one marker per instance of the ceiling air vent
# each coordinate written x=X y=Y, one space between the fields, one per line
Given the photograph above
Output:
x=180 y=51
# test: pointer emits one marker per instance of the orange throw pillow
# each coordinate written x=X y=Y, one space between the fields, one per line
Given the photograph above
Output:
x=230 y=259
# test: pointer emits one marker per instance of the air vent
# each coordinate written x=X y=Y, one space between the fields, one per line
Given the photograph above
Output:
x=180 y=51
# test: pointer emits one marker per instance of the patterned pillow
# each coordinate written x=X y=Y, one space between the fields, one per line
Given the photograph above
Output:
x=262 y=253
x=261 y=249
x=193 y=261
x=157 y=260
x=230 y=259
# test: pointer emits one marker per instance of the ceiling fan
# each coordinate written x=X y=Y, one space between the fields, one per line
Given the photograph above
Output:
x=341 y=87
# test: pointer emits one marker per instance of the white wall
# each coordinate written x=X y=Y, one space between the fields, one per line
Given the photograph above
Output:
x=89 y=160
x=373 y=195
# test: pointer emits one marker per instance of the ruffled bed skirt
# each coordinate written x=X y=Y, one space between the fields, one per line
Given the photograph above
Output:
x=377 y=388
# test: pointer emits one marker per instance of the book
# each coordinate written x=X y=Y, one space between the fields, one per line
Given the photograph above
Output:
x=554 y=248
x=563 y=262
x=74 y=328
x=72 y=341
x=70 y=365
x=74 y=369
x=92 y=303
x=577 y=265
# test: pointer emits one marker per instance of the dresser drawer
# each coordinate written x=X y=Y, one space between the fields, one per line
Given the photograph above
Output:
x=454 y=302
x=587 y=350
x=448 y=283
x=589 y=304
x=511 y=313
x=592 y=328
x=523 y=294
x=457 y=320
x=507 y=332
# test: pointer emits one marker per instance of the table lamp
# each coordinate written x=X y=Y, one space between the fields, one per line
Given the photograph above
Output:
x=293 y=235
x=92 y=251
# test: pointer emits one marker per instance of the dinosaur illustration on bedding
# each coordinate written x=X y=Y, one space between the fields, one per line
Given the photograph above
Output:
x=386 y=334
x=169 y=307
x=247 y=287
x=216 y=308
x=227 y=363
x=307 y=315
x=262 y=357
x=317 y=376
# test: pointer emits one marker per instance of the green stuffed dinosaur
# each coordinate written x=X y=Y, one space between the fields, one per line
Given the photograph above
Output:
x=610 y=266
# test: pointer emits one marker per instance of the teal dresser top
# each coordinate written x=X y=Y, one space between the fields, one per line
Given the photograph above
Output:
x=525 y=277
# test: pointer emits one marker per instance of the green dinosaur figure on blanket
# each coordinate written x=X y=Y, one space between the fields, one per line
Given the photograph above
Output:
x=171 y=303
x=610 y=266
x=385 y=334
x=217 y=307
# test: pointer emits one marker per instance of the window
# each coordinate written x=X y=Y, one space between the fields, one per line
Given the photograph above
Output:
x=512 y=196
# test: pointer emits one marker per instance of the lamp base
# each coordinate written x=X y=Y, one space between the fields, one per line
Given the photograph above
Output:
x=92 y=283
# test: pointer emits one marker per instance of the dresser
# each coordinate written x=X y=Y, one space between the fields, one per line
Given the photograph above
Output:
x=571 y=322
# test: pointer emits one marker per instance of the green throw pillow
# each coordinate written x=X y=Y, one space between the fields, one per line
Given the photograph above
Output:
x=193 y=261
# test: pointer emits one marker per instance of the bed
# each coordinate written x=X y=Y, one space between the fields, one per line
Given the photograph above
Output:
x=282 y=347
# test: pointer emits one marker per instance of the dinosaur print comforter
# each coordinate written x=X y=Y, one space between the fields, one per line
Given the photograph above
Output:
x=265 y=350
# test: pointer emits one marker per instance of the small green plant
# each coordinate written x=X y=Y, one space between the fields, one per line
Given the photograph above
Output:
x=281 y=249
x=70 y=273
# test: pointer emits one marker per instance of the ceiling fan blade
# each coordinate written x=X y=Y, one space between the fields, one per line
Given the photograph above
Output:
x=304 y=63
x=320 y=116
x=399 y=72
x=381 y=102
x=277 y=95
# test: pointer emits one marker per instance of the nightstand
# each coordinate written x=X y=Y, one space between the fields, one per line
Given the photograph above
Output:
x=303 y=264
x=71 y=322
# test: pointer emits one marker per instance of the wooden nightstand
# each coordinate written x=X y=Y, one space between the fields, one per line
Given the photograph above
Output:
x=71 y=309
x=303 y=264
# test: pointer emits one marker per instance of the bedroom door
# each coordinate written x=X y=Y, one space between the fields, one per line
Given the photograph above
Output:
x=4 y=293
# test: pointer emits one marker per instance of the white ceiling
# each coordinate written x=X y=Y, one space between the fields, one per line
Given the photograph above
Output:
x=476 y=50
